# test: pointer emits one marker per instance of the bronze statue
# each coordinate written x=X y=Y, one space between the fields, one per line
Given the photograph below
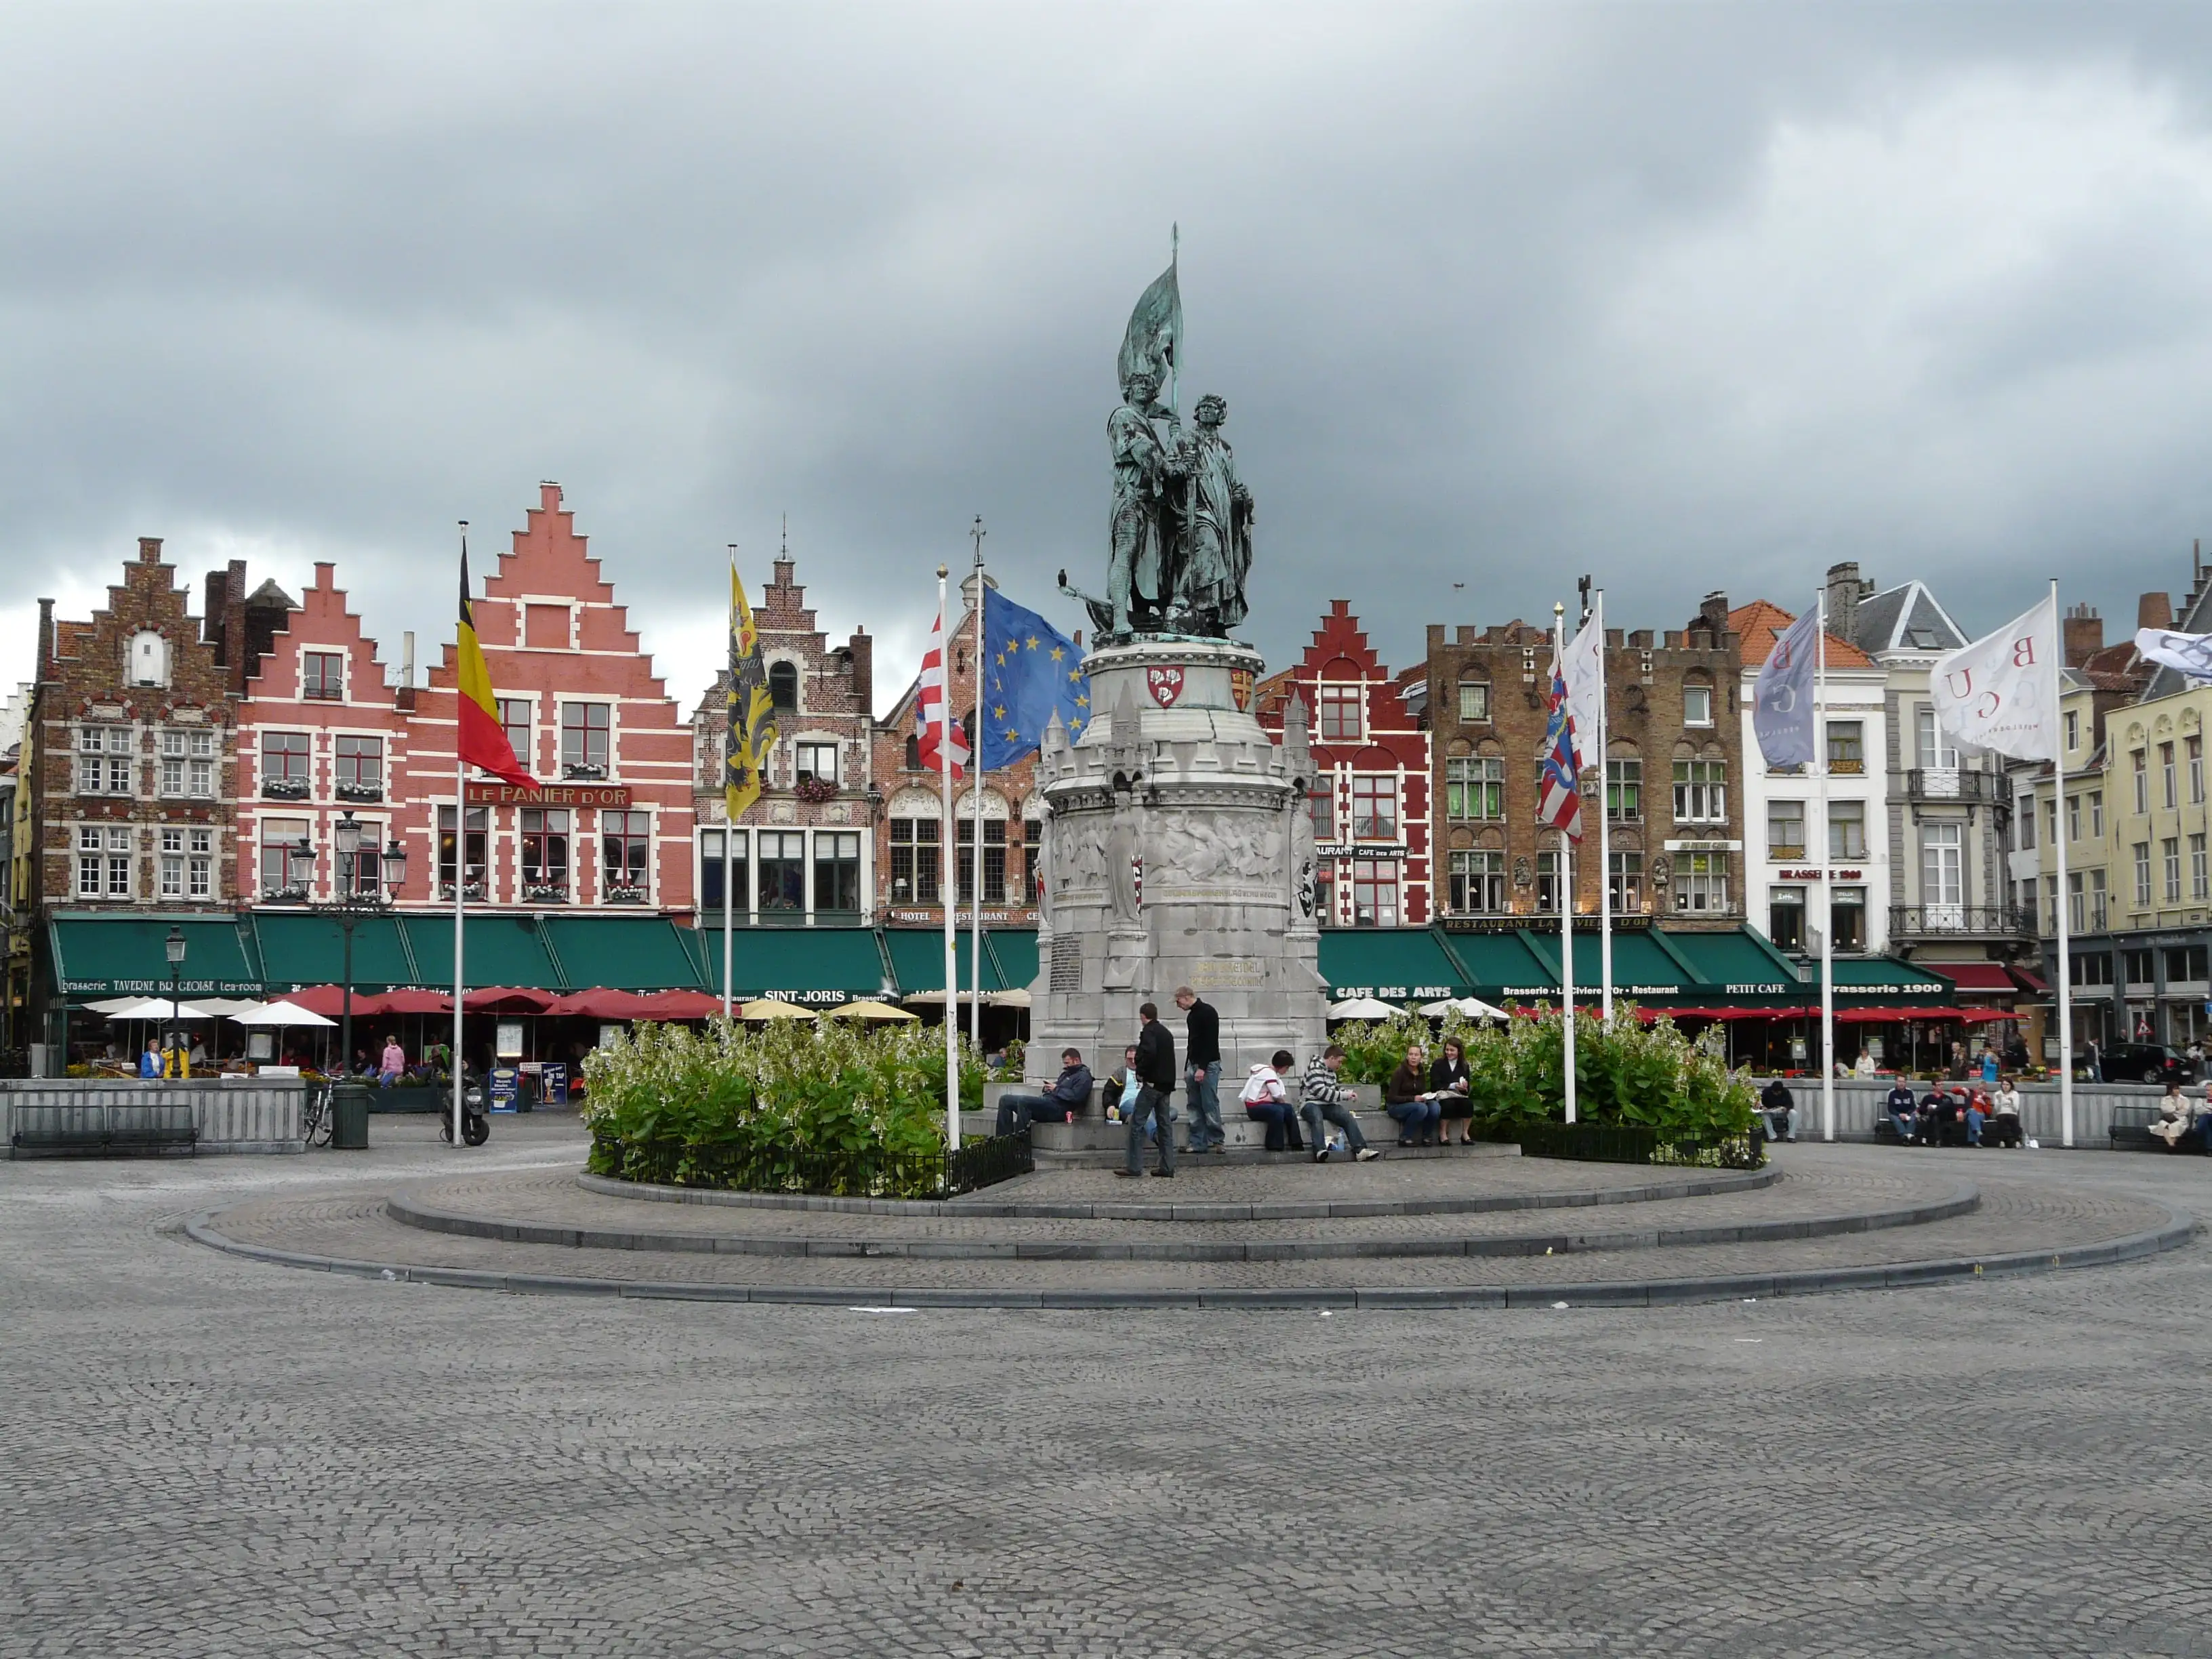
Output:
x=1217 y=540
x=1147 y=475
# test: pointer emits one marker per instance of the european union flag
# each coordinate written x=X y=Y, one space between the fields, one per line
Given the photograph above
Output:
x=1031 y=671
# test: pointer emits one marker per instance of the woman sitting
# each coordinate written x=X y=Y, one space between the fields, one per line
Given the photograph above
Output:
x=1454 y=1090
x=1404 y=1099
x=2172 y=1120
x=1267 y=1100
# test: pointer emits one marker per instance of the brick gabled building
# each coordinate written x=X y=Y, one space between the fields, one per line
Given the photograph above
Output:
x=805 y=852
x=1676 y=761
x=1372 y=790
x=587 y=716
x=321 y=734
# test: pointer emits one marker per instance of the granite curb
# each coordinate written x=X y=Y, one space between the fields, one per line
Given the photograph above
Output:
x=2180 y=1227
x=1705 y=1186
x=405 y=1207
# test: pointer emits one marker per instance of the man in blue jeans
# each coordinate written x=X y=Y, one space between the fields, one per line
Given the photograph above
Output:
x=1066 y=1098
x=1904 y=1109
x=1201 y=1058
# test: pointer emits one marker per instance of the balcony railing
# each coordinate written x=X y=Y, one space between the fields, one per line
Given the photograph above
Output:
x=1838 y=768
x=1954 y=784
x=1960 y=920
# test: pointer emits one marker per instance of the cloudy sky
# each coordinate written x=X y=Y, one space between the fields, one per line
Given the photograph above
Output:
x=1686 y=297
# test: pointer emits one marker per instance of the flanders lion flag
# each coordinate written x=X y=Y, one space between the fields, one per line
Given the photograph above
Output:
x=750 y=724
x=483 y=738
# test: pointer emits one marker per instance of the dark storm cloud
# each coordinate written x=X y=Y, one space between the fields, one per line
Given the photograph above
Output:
x=1687 y=298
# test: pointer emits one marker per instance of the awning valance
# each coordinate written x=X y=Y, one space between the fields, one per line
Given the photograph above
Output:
x=103 y=956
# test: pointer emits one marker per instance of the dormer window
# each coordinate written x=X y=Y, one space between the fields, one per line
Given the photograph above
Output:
x=322 y=675
x=149 y=658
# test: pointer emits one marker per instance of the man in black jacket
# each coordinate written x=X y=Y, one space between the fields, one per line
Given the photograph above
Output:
x=1779 y=1108
x=1068 y=1097
x=1156 y=1070
x=1201 y=1058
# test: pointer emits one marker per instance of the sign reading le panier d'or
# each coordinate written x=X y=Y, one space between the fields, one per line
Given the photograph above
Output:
x=615 y=795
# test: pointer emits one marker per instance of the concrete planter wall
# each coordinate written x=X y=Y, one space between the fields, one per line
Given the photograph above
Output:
x=251 y=1116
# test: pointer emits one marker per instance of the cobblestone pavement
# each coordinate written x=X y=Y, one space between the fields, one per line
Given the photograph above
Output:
x=208 y=1456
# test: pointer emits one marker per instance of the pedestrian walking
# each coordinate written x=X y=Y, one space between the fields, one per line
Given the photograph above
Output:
x=1201 y=1058
x=1156 y=1076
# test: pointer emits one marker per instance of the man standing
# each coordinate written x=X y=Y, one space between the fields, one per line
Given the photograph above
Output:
x=1201 y=1054
x=1156 y=1072
x=1069 y=1094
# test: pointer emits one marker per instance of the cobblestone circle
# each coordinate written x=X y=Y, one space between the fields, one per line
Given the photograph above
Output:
x=206 y=1455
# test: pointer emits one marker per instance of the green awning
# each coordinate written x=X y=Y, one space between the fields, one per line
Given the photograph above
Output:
x=1015 y=951
x=918 y=961
x=107 y=956
x=1739 y=966
x=500 y=949
x=1864 y=982
x=818 y=966
x=623 y=954
x=1393 y=965
x=1644 y=970
x=298 y=949
x=1501 y=967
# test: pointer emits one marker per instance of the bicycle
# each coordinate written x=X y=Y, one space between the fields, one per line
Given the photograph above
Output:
x=317 y=1120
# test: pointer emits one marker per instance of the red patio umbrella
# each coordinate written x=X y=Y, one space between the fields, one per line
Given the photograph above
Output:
x=506 y=999
x=406 y=1002
x=601 y=1003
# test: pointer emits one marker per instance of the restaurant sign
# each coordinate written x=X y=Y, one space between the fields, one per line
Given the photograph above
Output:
x=613 y=795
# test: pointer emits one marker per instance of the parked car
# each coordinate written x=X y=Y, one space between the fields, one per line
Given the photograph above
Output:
x=2144 y=1062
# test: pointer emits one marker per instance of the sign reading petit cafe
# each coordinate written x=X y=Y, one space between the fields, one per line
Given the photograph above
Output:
x=550 y=794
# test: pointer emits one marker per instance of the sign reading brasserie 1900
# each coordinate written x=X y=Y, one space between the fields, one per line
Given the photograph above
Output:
x=550 y=794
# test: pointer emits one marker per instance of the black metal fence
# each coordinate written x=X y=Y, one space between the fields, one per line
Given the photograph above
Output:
x=872 y=1173
x=1630 y=1143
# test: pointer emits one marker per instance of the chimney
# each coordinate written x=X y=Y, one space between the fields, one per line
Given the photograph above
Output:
x=238 y=646
x=864 y=668
x=1844 y=589
x=1713 y=613
x=2085 y=634
x=2154 y=611
x=45 y=669
x=405 y=697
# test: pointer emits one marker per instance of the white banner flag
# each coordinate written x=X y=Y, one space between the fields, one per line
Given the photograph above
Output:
x=1583 y=669
x=2191 y=653
x=2001 y=692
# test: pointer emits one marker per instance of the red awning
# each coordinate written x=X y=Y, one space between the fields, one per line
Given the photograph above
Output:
x=408 y=1002
x=1984 y=1016
x=507 y=999
x=1976 y=975
x=684 y=1004
x=2035 y=983
x=1888 y=1016
x=601 y=1005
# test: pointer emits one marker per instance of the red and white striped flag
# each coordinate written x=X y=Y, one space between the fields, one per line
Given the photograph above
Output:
x=942 y=742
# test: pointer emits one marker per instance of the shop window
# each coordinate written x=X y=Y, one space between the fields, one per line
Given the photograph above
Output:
x=1785 y=917
x=2091 y=970
x=1548 y=884
x=2136 y=964
x=837 y=871
x=1847 y=919
x=2185 y=964
x=782 y=872
x=1624 y=877
x=545 y=856
x=710 y=871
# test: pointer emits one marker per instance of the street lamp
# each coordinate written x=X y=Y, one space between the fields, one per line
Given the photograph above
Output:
x=352 y=902
x=173 y=946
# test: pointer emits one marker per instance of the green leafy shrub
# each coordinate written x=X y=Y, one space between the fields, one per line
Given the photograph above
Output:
x=1625 y=1072
x=728 y=1106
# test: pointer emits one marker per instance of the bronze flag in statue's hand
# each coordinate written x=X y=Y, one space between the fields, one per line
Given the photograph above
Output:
x=750 y=732
x=1154 y=336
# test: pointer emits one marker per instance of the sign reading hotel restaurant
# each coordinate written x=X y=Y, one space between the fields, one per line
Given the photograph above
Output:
x=550 y=794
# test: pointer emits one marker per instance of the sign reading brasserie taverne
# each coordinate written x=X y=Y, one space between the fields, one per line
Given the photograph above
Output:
x=550 y=794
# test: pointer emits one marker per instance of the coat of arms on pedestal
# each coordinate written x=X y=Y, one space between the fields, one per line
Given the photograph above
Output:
x=1165 y=685
x=1240 y=687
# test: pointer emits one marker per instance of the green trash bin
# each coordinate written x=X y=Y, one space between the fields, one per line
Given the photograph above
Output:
x=349 y=1117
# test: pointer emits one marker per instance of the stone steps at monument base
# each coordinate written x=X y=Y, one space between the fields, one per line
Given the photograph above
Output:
x=1092 y=1140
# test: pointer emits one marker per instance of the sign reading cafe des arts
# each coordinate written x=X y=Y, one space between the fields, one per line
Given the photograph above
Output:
x=1178 y=849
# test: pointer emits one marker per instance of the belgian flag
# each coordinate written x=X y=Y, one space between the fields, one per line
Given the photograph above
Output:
x=484 y=742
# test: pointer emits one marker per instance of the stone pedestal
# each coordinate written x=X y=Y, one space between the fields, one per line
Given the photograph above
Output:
x=1178 y=851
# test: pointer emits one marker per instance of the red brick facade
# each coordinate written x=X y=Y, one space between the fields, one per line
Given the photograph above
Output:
x=1370 y=802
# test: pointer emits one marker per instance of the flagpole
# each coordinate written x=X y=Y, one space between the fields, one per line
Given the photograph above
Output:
x=950 y=900
x=1827 y=873
x=729 y=821
x=2064 y=903
x=460 y=867
x=1604 y=825
x=975 y=929
x=1567 y=888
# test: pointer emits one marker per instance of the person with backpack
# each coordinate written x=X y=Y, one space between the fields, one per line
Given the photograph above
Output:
x=1321 y=1099
x=1266 y=1100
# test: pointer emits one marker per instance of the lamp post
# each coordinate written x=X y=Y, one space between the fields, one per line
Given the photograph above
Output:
x=352 y=902
x=175 y=947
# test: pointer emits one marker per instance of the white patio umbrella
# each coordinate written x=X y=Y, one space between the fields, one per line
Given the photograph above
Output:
x=1018 y=997
x=280 y=1013
x=1361 y=1008
x=1473 y=1007
x=228 y=1007
x=113 y=1006
x=159 y=1008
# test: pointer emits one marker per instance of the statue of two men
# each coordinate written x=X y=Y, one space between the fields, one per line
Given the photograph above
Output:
x=1182 y=527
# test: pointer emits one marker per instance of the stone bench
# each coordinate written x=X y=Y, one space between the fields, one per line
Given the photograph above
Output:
x=2130 y=1132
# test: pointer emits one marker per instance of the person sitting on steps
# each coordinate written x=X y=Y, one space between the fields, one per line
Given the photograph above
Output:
x=1454 y=1087
x=1404 y=1099
x=1266 y=1100
x=1322 y=1098
x=1122 y=1087
x=1069 y=1094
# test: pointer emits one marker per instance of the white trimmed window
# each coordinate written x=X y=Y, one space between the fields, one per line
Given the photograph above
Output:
x=103 y=764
